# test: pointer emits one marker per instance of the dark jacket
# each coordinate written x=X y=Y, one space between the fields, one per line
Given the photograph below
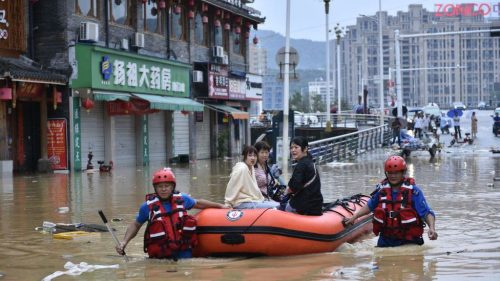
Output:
x=306 y=200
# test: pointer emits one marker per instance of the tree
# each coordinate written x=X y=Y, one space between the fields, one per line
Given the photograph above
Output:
x=318 y=104
x=296 y=102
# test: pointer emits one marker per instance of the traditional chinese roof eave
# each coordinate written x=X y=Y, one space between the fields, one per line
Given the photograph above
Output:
x=235 y=10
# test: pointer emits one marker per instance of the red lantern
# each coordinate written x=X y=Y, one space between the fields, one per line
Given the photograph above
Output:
x=190 y=15
x=217 y=23
x=5 y=93
x=255 y=40
x=177 y=9
x=217 y=12
x=227 y=16
x=204 y=7
x=237 y=30
x=247 y=34
x=191 y=3
x=238 y=20
x=162 y=4
x=143 y=1
x=184 y=112
x=204 y=19
x=248 y=24
x=88 y=104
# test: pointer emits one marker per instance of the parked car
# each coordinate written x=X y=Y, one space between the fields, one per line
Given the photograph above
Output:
x=459 y=105
x=481 y=105
x=432 y=109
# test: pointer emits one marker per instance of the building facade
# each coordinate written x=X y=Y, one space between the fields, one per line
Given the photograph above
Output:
x=128 y=93
x=445 y=69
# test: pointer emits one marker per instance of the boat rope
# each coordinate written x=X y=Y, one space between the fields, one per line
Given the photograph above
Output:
x=254 y=221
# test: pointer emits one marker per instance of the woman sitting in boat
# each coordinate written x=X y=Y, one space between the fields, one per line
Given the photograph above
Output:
x=304 y=187
x=269 y=185
x=242 y=191
x=169 y=234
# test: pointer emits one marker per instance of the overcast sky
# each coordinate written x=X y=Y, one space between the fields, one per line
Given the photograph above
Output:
x=308 y=16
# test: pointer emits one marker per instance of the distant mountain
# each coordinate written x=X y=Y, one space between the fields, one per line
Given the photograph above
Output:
x=311 y=53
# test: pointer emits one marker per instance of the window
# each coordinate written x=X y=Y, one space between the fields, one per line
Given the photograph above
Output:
x=153 y=18
x=218 y=36
x=177 y=23
x=119 y=11
x=87 y=8
x=200 y=30
x=236 y=41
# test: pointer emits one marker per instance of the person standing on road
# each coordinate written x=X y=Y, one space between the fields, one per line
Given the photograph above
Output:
x=473 y=125
x=456 y=126
x=396 y=130
x=399 y=208
x=169 y=234
x=418 y=125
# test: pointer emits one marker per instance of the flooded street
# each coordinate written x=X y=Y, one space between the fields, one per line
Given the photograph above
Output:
x=458 y=184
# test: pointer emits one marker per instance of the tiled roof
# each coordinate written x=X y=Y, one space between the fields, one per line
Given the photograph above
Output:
x=224 y=4
x=21 y=69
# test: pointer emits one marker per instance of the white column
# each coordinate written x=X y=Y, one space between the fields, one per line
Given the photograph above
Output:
x=381 y=66
x=339 y=82
x=286 y=94
x=398 y=74
x=328 y=102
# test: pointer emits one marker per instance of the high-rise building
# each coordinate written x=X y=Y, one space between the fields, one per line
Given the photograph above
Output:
x=441 y=69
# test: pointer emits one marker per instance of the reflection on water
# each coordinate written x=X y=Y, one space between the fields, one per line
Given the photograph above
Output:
x=459 y=188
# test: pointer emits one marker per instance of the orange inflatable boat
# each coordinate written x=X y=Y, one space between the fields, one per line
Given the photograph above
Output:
x=270 y=232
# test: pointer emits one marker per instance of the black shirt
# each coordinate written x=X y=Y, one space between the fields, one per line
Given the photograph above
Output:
x=307 y=200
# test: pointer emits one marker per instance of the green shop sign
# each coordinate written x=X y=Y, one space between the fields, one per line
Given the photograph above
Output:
x=113 y=70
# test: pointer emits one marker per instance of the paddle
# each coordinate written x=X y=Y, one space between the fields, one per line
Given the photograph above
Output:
x=105 y=220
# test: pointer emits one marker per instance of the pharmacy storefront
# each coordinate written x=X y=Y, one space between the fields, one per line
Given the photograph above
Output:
x=128 y=109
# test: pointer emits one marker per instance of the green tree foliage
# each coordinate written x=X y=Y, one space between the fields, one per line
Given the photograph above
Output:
x=318 y=104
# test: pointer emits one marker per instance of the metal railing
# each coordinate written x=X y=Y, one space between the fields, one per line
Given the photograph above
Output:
x=347 y=146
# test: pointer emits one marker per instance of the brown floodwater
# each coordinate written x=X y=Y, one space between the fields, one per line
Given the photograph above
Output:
x=458 y=186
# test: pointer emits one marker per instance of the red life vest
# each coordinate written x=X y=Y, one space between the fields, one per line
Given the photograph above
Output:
x=167 y=233
x=395 y=217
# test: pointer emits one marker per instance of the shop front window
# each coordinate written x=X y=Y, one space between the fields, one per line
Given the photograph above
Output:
x=87 y=8
x=177 y=23
x=119 y=11
x=153 y=18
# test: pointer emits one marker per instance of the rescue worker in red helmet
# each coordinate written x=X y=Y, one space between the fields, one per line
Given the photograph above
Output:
x=399 y=208
x=170 y=231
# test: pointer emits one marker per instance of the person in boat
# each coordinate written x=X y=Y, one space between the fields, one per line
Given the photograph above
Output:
x=304 y=187
x=267 y=180
x=399 y=208
x=170 y=231
x=242 y=191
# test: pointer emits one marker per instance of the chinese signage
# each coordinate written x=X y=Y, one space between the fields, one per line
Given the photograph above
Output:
x=145 y=142
x=57 y=144
x=77 y=159
x=109 y=69
x=237 y=89
x=218 y=82
x=12 y=35
x=253 y=85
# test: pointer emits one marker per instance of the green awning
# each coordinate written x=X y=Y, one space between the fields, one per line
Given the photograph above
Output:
x=111 y=96
x=171 y=103
x=236 y=113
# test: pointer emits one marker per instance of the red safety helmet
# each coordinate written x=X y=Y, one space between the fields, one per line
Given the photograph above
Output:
x=395 y=164
x=164 y=175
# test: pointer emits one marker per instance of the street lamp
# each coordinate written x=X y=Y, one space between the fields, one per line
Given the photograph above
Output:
x=328 y=127
x=338 y=33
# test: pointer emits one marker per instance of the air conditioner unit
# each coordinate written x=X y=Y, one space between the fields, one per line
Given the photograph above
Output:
x=197 y=76
x=89 y=31
x=138 y=41
x=124 y=44
x=225 y=60
x=218 y=51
